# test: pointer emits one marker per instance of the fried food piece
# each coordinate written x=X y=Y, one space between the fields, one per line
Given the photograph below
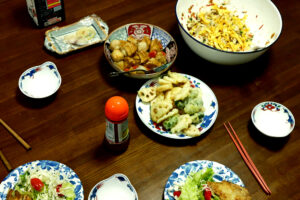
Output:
x=115 y=44
x=15 y=195
x=155 y=45
x=163 y=88
x=184 y=121
x=129 y=48
x=152 y=62
x=147 y=94
x=132 y=40
x=169 y=114
x=192 y=131
x=178 y=77
x=161 y=57
x=117 y=55
x=229 y=191
x=144 y=44
x=143 y=55
x=131 y=61
x=159 y=108
x=171 y=94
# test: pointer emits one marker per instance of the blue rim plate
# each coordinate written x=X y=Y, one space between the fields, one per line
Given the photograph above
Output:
x=210 y=104
x=180 y=174
x=12 y=178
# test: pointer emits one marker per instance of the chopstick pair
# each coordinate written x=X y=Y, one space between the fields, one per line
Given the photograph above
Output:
x=247 y=159
x=19 y=138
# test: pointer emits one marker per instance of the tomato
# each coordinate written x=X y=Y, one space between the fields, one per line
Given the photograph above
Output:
x=177 y=193
x=152 y=54
x=37 y=184
x=207 y=194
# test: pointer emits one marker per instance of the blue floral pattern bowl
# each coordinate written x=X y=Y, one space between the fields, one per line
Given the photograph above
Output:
x=180 y=174
x=210 y=104
x=117 y=186
x=13 y=177
x=138 y=30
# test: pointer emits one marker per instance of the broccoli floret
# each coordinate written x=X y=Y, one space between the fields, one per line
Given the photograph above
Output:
x=197 y=117
x=180 y=104
x=170 y=122
x=193 y=106
x=194 y=92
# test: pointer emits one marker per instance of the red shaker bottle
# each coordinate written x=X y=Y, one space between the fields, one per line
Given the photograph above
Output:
x=117 y=131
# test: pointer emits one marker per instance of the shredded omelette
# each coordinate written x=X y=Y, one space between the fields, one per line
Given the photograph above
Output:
x=220 y=28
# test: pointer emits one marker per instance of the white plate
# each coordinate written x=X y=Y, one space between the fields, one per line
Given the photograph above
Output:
x=210 y=104
x=273 y=119
x=13 y=177
x=40 y=81
x=180 y=174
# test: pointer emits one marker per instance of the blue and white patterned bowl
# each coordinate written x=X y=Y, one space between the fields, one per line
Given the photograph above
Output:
x=180 y=174
x=40 y=81
x=117 y=186
x=210 y=104
x=138 y=30
x=13 y=177
x=273 y=119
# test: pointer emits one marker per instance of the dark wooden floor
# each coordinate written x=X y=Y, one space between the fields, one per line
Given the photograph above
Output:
x=69 y=127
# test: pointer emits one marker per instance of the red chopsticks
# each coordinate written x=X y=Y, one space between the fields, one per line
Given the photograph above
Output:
x=247 y=159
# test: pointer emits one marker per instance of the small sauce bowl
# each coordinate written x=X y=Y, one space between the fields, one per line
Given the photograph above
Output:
x=115 y=187
x=273 y=119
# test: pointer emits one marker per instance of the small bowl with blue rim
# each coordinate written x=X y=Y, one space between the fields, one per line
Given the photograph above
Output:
x=115 y=187
x=40 y=81
x=273 y=119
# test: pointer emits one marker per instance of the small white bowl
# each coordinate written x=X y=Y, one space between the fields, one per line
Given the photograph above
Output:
x=273 y=119
x=115 y=187
x=263 y=19
x=40 y=81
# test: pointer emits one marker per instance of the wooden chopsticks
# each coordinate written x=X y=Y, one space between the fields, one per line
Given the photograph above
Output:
x=19 y=138
x=247 y=159
x=5 y=161
x=11 y=131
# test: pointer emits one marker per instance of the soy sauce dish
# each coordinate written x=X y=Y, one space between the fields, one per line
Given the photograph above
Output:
x=115 y=187
x=40 y=81
x=273 y=119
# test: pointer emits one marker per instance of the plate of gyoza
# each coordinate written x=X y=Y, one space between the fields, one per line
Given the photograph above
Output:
x=177 y=106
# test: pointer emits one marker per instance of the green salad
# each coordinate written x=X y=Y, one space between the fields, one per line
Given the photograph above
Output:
x=41 y=184
x=195 y=187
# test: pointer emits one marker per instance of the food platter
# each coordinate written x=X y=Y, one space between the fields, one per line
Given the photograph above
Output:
x=12 y=178
x=180 y=174
x=210 y=104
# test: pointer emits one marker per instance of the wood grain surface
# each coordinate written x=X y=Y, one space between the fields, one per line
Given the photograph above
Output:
x=69 y=126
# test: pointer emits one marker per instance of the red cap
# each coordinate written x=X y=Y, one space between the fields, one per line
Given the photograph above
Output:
x=116 y=108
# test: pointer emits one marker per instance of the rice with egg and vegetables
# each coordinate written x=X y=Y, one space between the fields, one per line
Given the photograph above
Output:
x=218 y=27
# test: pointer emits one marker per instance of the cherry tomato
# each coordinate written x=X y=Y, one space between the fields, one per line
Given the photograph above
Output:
x=207 y=194
x=57 y=190
x=37 y=184
x=152 y=54
x=177 y=193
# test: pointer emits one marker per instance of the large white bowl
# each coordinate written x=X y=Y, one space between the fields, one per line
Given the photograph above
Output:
x=264 y=20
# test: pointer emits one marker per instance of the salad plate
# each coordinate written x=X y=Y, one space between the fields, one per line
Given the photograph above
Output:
x=221 y=172
x=210 y=104
x=46 y=166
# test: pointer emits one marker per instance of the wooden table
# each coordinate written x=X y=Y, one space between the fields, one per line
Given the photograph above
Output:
x=69 y=127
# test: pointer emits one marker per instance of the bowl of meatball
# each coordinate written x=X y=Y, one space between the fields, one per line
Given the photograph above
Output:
x=140 y=50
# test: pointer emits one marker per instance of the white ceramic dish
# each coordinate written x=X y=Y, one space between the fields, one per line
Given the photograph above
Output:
x=210 y=104
x=115 y=187
x=180 y=174
x=40 y=81
x=13 y=177
x=273 y=119
x=264 y=20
